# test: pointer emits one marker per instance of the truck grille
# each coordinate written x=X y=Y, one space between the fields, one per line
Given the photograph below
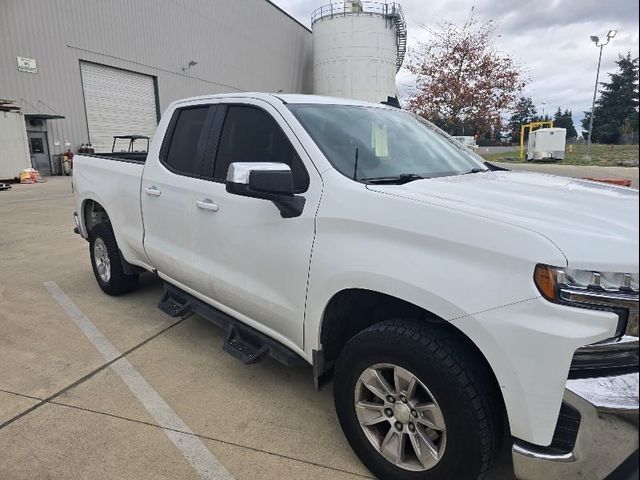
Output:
x=614 y=357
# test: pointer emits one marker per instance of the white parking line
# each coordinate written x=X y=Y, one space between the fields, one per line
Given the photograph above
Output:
x=197 y=454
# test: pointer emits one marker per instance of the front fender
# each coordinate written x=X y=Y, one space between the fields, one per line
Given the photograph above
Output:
x=529 y=346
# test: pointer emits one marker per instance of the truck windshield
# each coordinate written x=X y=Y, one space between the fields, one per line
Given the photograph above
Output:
x=380 y=145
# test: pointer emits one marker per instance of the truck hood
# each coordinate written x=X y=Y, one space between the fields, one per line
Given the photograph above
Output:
x=595 y=225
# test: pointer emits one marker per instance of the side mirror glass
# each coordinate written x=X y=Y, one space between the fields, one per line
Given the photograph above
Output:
x=267 y=181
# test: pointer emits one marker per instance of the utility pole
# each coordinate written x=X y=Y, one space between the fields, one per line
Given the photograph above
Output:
x=596 y=40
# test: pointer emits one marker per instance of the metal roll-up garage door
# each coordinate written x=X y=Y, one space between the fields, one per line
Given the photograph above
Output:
x=118 y=102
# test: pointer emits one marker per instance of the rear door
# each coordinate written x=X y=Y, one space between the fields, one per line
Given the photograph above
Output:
x=251 y=262
x=170 y=178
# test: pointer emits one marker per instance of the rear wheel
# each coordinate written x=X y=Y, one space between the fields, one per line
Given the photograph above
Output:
x=107 y=262
x=415 y=405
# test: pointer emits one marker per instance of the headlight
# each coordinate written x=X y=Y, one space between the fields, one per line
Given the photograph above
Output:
x=551 y=281
x=612 y=291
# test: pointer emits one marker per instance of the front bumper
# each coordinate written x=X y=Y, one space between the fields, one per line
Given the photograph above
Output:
x=607 y=435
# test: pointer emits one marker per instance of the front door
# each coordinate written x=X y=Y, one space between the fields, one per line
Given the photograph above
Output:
x=39 y=152
x=251 y=262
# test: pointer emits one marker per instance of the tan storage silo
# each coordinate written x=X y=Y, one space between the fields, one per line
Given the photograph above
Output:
x=357 y=49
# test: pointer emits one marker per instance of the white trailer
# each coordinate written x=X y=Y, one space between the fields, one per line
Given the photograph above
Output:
x=547 y=144
x=14 y=149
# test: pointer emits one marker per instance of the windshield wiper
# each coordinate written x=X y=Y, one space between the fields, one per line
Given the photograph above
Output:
x=475 y=170
x=394 y=180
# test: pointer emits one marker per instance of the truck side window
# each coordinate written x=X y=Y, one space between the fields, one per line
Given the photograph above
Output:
x=251 y=135
x=184 y=153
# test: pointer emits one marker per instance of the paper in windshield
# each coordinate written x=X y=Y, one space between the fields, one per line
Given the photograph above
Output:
x=379 y=140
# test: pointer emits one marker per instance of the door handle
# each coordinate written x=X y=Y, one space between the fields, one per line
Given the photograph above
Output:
x=153 y=191
x=207 y=205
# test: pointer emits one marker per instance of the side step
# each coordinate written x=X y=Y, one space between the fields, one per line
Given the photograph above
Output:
x=243 y=342
x=173 y=304
x=242 y=348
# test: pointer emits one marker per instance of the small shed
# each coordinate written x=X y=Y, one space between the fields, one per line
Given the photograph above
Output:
x=14 y=147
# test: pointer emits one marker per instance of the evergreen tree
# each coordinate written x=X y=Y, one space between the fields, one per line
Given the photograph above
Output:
x=565 y=120
x=616 y=111
x=524 y=112
x=540 y=118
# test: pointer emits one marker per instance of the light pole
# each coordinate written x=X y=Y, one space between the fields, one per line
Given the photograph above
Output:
x=544 y=103
x=596 y=40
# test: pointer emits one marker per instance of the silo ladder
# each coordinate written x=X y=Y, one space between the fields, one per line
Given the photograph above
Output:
x=394 y=13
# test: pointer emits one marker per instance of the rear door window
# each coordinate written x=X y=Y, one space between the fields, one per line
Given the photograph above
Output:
x=183 y=150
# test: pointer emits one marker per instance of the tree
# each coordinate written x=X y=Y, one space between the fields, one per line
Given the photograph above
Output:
x=541 y=118
x=616 y=111
x=462 y=79
x=523 y=112
x=565 y=120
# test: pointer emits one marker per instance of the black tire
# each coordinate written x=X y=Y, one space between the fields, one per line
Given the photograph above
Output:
x=464 y=389
x=119 y=282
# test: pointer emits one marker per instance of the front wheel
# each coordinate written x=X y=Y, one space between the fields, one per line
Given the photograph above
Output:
x=414 y=405
x=107 y=262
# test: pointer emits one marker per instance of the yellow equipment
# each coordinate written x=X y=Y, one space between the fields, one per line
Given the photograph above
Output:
x=531 y=126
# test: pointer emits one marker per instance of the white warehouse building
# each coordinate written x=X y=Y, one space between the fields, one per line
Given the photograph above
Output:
x=84 y=71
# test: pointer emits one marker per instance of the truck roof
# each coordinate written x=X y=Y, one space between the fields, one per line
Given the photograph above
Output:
x=319 y=99
x=286 y=98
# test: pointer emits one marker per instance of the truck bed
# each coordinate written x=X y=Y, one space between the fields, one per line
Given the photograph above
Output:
x=113 y=181
x=135 y=157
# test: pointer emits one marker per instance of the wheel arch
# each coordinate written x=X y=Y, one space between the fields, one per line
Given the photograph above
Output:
x=352 y=310
x=92 y=213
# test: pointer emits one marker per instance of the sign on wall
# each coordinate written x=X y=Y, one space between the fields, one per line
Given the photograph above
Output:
x=27 y=65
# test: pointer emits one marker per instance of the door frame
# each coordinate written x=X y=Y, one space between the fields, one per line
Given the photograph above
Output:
x=46 y=147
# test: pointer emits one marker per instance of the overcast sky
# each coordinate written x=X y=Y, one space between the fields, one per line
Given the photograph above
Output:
x=549 y=38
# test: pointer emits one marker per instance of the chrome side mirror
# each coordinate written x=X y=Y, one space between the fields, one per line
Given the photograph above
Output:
x=267 y=181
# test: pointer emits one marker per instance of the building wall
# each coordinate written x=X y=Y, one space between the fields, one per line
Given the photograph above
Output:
x=240 y=45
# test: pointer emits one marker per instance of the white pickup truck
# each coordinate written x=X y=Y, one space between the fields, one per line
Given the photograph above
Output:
x=454 y=305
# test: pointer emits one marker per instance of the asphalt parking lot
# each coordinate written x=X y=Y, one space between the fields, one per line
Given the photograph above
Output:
x=96 y=387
